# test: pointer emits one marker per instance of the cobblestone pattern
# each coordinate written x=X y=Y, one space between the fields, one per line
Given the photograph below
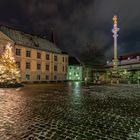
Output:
x=70 y=112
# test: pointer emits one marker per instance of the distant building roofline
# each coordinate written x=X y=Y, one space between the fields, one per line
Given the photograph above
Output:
x=74 y=61
x=129 y=55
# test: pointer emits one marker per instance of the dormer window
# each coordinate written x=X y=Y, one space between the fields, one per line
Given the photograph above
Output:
x=36 y=44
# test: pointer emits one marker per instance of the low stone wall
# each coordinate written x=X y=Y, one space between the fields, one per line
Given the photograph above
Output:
x=11 y=85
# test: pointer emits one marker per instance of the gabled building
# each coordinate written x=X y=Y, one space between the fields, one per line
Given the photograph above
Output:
x=75 y=70
x=37 y=58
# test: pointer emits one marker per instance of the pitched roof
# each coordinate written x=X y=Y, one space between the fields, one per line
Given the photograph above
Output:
x=28 y=40
x=130 y=55
x=73 y=61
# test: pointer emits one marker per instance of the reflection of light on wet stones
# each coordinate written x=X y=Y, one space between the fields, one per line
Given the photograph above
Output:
x=61 y=112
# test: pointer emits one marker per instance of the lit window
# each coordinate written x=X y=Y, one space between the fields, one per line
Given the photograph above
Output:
x=70 y=73
x=78 y=68
x=69 y=77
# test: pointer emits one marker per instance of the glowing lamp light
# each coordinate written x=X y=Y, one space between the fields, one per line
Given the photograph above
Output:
x=77 y=74
x=125 y=71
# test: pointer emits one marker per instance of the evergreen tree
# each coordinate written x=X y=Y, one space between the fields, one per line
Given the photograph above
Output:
x=9 y=72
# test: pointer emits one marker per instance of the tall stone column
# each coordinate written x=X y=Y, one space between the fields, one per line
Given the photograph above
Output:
x=115 y=36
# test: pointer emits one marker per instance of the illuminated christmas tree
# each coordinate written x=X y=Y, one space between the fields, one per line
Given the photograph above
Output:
x=9 y=72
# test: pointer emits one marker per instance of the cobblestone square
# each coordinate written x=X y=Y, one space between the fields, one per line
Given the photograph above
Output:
x=70 y=111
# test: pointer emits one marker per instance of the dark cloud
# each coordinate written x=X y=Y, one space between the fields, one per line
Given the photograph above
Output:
x=77 y=23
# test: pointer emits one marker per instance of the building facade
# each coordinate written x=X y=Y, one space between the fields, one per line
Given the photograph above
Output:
x=129 y=67
x=75 y=73
x=88 y=73
x=37 y=58
x=75 y=70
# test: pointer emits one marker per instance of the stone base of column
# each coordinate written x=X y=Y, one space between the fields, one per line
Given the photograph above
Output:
x=115 y=76
x=115 y=64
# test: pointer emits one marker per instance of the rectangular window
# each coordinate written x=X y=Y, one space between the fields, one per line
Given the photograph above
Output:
x=28 y=65
x=55 y=58
x=47 y=67
x=38 y=55
x=38 y=77
x=38 y=66
x=28 y=53
x=27 y=77
x=18 y=64
x=63 y=68
x=55 y=68
x=47 y=77
x=18 y=52
x=63 y=59
x=47 y=57
x=55 y=77
x=66 y=68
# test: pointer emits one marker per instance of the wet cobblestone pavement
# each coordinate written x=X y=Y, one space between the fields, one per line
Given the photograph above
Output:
x=70 y=112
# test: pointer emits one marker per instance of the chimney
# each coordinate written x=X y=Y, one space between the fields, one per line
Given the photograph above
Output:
x=52 y=36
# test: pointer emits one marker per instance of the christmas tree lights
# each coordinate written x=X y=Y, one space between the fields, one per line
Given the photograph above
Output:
x=9 y=72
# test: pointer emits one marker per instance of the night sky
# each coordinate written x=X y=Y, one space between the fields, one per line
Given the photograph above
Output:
x=77 y=24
